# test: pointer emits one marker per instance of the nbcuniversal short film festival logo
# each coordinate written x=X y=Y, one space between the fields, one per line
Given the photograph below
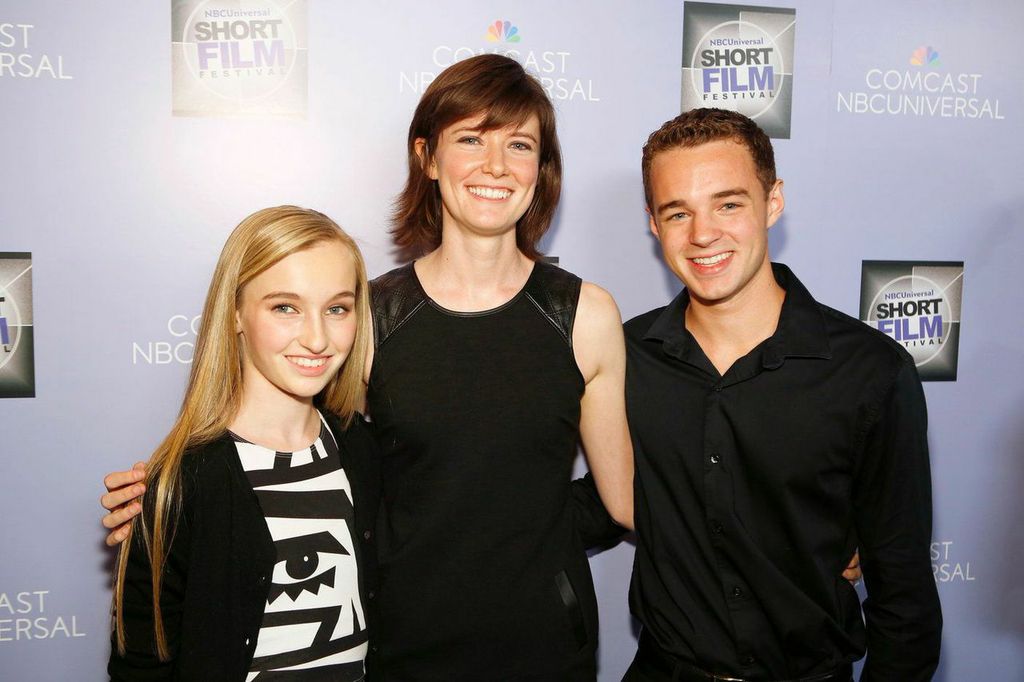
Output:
x=239 y=58
x=740 y=58
x=917 y=303
x=17 y=357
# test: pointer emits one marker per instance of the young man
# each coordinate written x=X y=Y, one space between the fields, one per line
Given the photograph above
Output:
x=772 y=436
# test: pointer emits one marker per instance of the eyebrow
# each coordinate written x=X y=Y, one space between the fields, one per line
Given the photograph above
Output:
x=675 y=203
x=295 y=297
x=515 y=133
x=734 y=192
x=522 y=133
x=681 y=203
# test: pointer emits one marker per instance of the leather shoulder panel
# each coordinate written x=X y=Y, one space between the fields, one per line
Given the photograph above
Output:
x=394 y=297
x=556 y=293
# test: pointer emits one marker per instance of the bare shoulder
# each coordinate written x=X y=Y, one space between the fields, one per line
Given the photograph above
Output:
x=597 y=333
x=596 y=307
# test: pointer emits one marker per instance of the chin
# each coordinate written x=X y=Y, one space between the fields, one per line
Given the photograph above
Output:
x=707 y=296
x=303 y=390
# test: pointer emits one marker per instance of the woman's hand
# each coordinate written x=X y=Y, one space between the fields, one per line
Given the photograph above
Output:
x=852 y=572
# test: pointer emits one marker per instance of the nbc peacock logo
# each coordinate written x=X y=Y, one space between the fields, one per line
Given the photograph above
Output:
x=924 y=56
x=503 y=32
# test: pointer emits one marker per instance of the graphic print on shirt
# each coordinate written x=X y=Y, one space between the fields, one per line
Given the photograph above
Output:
x=314 y=626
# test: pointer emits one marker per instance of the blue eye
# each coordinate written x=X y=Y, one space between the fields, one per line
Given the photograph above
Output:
x=337 y=310
x=521 y=146
x=284 y=308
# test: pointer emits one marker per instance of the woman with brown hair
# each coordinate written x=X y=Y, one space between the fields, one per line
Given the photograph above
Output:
x=488 y=367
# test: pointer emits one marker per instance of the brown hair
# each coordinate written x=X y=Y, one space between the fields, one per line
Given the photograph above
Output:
x=700 y=126
x=214 y=391
x=500 y=90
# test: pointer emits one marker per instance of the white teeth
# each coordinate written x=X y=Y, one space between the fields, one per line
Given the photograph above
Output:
x=490 y=193
x=711 y=260
x=308 y=362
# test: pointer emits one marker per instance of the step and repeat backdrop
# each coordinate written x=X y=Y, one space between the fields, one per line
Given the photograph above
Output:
x=134 y=136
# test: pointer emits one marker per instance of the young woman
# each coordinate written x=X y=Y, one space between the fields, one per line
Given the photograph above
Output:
x=251 y=553
x=488 y=367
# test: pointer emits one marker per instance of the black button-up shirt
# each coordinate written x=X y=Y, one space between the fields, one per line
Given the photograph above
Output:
x=754 y=488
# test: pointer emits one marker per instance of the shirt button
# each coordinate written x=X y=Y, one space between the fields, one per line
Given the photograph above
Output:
x=718 y=389
x=367 y=535
x=716 y=528
x=748 y=660
x=247 y=641
x=371 y=594
x=715 y=459
x=737 y=592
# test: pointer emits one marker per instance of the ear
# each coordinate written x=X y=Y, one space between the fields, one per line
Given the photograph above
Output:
x=776 y=202
x=652 y=224
x=238 y=321
x=426 y=158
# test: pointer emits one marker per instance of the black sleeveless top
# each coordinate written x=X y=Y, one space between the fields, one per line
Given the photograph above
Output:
x=483 y=575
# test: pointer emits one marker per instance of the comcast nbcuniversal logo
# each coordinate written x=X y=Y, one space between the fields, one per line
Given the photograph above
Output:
x=503 y=32
x=552 y=65
x=924 y=89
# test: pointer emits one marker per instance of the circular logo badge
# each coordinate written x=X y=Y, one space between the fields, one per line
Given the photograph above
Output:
x=242 y=52
x=739 y=64
x=913 y=310
x=10 y=326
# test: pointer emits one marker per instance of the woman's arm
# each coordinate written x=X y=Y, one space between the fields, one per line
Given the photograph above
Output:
x=601 y=355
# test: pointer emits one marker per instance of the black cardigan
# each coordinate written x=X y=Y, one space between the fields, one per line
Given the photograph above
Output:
x=220 y=562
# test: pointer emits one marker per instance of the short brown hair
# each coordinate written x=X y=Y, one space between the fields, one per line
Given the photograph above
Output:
x=700 y=126
x=500 y=90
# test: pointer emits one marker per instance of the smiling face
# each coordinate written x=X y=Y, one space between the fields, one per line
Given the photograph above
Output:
x=486 y=178
x=711 y=215
x=296 y=322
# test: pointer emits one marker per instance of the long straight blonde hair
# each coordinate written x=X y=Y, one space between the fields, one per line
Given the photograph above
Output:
x=214 y=391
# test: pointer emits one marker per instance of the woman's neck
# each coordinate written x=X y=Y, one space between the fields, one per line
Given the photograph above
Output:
x=472 y=274
x=271 y=418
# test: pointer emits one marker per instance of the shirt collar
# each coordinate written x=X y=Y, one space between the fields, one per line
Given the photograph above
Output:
x=801 y=331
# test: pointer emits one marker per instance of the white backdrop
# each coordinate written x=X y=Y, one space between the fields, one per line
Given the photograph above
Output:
x=124 y=207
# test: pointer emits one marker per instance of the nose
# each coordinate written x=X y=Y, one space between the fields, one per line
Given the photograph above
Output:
x=314 y=334
x=703 y=231
x=494 y=160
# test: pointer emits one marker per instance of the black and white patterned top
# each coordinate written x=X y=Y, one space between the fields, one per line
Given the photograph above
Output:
x=314 y=626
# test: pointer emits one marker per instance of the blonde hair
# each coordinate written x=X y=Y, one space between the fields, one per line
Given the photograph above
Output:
x=214 y=390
